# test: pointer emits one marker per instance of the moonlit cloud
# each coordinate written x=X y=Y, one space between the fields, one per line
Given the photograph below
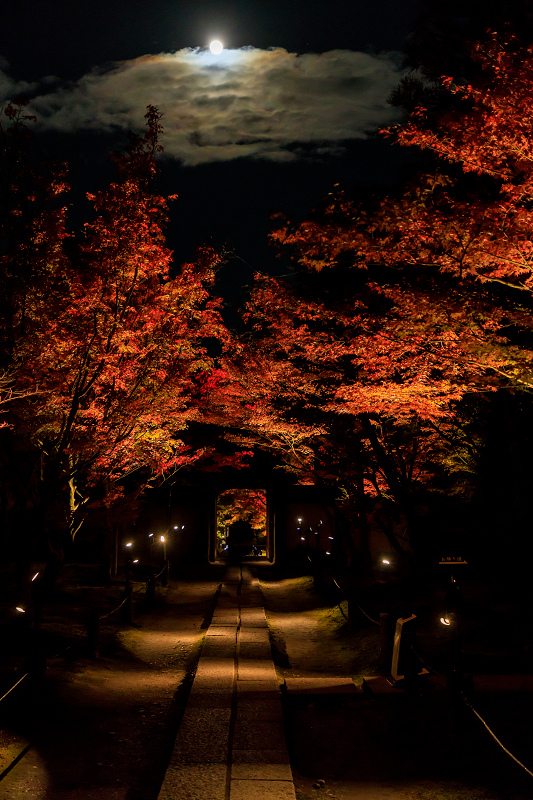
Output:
x=267 y=104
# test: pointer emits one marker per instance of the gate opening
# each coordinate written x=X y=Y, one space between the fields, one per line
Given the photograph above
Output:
x=242 y=529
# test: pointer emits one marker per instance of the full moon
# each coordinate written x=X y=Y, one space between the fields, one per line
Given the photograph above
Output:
x=216 y=47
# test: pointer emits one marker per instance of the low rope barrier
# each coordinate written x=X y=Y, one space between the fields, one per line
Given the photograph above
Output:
x=338 y=604
x=425 y=663
x=145 y=584
x=105 y=616
x=375 y=621
x=505 y=750
x=26 y=675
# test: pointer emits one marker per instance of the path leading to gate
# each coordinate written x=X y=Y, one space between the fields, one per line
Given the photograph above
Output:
x=231 y=742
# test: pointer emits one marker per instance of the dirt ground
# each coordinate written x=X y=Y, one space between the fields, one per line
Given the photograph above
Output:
x=425 y=746
x=105 y=728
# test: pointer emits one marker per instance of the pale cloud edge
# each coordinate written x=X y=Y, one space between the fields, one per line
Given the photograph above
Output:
x=252 y=103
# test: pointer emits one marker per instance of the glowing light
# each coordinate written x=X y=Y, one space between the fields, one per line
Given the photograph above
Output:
x=216 y=47
x=300 y=520
x=135 y=560
x=162 y=538
x=302 y=538
x=150 y=535
x=330 y=537
x=446 y=620
x=385 y=561
x=35 y=576
x=328 y=553
x=129 y=544
x=22 y=610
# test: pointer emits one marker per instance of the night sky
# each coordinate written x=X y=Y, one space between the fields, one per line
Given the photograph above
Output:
x=288 y=109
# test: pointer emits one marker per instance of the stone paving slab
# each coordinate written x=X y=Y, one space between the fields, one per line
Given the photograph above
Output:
x=216 y=670
x=380 y=685
x=255 y=669
x=247 y=737
x=195 y=782
x=221 y=630
x=232 y=730
x=264 y=772
x=218 y=647
x=262 y=790
x=203 y=737
x=252 y=757
x=258 y=688
x=253 y=616
x=331 y=685
x=261 y=709
x=254 y=635
x=255 y=650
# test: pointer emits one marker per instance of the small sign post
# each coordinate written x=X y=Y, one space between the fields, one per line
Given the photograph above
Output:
x=402 y=658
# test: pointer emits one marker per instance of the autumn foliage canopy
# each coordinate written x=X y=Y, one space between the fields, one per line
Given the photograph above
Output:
x=358 y=370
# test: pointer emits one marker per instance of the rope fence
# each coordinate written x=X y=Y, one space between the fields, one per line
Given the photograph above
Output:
x=26 y=675
x=498 y=742
x=93 y=634
x=92 y=626
x=109 y=613
x=374 y=621
x=435 y=671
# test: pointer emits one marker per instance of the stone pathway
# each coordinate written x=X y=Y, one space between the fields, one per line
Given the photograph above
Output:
x=231 y=742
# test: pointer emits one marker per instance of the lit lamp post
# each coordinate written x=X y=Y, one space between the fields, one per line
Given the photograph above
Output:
x=451 y=619
x=129 y=545
x=164 y=577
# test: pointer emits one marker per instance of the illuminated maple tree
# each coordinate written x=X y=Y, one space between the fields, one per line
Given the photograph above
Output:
x=330 y=386
x=451 y=254
x=106 y=340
